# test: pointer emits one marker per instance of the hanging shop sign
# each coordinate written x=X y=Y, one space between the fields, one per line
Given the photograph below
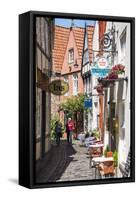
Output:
x=88 y=103
x=58 y=87
x=101 y=68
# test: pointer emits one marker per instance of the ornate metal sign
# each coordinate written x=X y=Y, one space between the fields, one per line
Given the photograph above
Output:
x=106 y=41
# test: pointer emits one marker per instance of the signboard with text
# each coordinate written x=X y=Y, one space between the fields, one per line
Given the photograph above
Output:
x=101 y=68
x=88 y=103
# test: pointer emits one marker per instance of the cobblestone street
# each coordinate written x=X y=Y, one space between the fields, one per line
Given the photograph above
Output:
x=65 y=163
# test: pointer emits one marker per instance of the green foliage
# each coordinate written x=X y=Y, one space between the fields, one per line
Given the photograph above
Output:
x=107 y=149
x=115 y=158
x=96 y=133
x=73 y=104
x=53 y=121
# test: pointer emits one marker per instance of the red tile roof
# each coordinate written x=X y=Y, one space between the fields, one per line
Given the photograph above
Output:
x=61 y=36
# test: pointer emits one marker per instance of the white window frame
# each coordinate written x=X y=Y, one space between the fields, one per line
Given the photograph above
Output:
x=71 y=56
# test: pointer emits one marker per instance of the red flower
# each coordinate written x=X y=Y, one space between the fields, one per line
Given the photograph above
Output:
x=118 y=69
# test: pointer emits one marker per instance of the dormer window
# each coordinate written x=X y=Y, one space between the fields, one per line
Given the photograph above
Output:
x=71 y=56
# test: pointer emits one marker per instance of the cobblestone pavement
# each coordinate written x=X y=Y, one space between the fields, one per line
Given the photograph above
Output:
x=66 y=163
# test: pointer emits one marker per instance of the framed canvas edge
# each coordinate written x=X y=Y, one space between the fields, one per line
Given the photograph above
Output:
x=31 y=139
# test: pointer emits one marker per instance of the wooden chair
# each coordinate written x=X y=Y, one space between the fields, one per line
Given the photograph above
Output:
x=107 y=168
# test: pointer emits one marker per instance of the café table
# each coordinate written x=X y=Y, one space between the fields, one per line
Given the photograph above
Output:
x=96 y=161
x=95 y=151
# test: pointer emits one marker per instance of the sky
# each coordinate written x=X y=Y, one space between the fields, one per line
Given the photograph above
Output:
x=77 y=22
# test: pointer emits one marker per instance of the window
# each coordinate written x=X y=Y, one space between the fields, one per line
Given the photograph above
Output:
x=66 y=80
x=71 y=56
x=123 y=46
x=75 y=84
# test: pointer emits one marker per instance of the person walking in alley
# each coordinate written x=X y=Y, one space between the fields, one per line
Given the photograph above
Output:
x=69 y=130
x=58 y=131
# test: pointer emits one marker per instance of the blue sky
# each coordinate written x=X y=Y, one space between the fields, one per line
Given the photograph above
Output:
x=77 y=22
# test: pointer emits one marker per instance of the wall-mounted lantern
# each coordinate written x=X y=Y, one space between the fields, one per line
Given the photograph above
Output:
x=76 y=64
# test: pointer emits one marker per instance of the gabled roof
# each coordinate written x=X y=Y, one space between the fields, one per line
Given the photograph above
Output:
x=79 y=39
x=61 y=37
x=88 y=40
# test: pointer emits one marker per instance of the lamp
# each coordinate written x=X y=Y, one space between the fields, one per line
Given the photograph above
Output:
x=76 y=64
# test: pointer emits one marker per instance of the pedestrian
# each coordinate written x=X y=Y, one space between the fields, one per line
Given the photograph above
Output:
x=69 y=130
x=58 y=132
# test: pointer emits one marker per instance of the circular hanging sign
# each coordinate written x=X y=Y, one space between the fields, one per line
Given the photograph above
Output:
x=102 y=63
x=58 y=87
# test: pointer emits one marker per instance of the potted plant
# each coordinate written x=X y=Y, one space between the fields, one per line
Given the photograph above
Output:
x=115 y=158
x=107 y=149
x=113 y=75
x=119 y=70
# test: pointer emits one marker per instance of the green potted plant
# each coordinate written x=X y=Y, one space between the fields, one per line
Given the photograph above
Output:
x=115 y=158
x=107 y=149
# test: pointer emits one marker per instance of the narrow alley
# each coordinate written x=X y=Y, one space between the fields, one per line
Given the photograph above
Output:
x=67 y=162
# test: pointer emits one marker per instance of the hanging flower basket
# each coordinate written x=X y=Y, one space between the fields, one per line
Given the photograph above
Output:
x=112 y=76
x=118 y=69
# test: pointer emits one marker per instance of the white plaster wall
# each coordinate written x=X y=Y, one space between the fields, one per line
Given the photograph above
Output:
x=124 y=142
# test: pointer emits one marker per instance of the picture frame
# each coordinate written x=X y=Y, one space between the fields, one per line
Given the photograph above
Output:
x=33 y=147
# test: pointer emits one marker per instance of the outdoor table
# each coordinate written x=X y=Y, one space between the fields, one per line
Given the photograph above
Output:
x=102 y=159
x=95 y=146
x=98 y=160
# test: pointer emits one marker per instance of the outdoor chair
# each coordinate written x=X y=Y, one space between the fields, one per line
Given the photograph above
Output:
x=106 y=168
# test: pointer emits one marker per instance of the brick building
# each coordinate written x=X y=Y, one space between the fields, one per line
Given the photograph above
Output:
x=67 y=60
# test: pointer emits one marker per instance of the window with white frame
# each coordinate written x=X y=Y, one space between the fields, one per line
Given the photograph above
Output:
x=71 y=56
x=123 y=46
x=75 y=84
x=67 y=81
